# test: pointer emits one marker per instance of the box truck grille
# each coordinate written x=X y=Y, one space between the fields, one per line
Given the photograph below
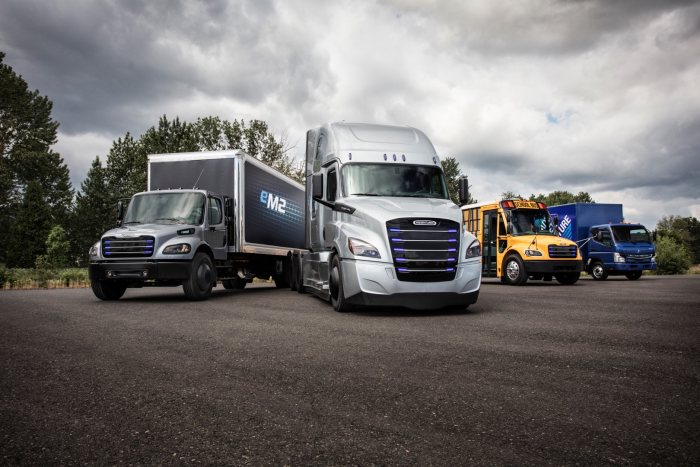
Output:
x=638 y=258
x=140 y=247
x=556 y=251
x=424 y=250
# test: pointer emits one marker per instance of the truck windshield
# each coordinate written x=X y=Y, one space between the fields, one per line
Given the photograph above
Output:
x=530 y=221
x=166 y=208
x=631 y=234
x=394 y=180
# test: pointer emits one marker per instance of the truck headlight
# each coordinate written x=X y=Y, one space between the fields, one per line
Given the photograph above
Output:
x=618 y=258
x=178 y=249
x=533 y=253
x=362 y=248
x=653 y=259
x=94 y=249
x=474 y=249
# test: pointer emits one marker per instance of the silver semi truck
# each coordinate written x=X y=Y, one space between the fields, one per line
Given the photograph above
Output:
x=206 y=217
x=380 y=226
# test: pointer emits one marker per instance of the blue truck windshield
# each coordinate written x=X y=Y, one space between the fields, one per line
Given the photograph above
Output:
x=631 y=234
x=166 y=208
x=394 y=180
x=530 y=221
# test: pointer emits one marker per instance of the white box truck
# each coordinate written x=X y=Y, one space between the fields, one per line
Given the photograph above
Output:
x=206 y=217
x=380 y=226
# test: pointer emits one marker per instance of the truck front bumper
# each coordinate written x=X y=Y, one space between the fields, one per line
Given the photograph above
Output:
x=553 y=267
x=375 y=284
x=139 y=270
x=622 y=268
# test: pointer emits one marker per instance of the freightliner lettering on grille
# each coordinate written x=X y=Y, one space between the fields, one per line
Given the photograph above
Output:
x=424 y=249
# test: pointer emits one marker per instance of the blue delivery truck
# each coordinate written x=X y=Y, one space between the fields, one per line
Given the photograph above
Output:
x=608 y=245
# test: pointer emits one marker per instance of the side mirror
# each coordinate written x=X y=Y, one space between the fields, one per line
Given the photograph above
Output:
x=229 y=207
x=463 y=189
x=599 y=236
x=555 y=220
x=317 y=183
x=120 y=213
x=653 y=236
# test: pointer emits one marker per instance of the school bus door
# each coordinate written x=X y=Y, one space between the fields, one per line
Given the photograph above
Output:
x=490 y=221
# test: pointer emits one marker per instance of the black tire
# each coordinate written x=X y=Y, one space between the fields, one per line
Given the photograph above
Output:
x=597 y=271
x=296 y=264
x=335 y=286
x=202 y=277
x=234 y=284
x=283 y=281
x=568 y=278
x=107 y=290
x=293 y=281
x=634 y=275
x=514 y=270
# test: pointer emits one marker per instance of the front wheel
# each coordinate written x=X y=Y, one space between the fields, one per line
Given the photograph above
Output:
x=107 y=290
x=568 y=278
x=597 y=271
x=634 y=275
x=514 y=271
x=202 y=276
x=336 y=287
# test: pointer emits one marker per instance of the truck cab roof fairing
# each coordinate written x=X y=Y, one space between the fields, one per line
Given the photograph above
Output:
x=341 y=137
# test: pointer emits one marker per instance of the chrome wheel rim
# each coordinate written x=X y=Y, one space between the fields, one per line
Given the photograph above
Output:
x=512 y=270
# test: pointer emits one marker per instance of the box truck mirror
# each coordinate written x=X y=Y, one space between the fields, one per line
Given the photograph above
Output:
x=120 y=213
x=599 y=236
x=229 y=207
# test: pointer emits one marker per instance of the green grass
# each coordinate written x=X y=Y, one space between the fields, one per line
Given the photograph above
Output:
x=43 y=278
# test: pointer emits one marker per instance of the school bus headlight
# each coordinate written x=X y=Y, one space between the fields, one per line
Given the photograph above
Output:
x=474 y=249
x=533 y=253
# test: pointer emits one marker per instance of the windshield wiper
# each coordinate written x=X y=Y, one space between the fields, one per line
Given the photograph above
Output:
x=173 y=219
x=364 y=194
x=131 y=222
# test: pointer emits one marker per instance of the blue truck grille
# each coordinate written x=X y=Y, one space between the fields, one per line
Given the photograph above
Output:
x=556 y=251
x=638 y=258
x=129 y=247
x=424 y=250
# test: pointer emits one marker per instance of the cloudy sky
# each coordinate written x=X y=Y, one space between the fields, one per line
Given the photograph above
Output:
x=530 y=96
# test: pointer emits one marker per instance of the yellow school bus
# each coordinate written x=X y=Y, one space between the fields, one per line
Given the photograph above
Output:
x=519 y=243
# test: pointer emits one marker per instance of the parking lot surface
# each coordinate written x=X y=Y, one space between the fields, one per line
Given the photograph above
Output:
x=545 y=374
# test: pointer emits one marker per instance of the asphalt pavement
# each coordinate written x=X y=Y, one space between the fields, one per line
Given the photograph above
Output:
x=592 y=374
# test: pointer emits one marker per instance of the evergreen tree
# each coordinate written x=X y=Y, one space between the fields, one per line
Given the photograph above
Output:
x=30 y=228
x=556 y=198
x=93 y=213
x=26 y=133
x=452 y=175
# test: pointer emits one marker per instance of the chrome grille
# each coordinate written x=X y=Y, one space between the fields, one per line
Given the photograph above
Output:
x=557 y=251
x=638 y=258
x=424 y=250
x=128 y=247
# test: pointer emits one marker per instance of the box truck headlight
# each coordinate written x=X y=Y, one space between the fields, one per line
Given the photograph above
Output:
x=618 y=258
x=533 y=253
x=94 y=249
x=361 y=248
x=653 y=258
x=179 y=249
x=474 y=249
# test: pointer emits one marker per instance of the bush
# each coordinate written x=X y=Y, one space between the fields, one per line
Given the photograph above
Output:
x=43 y=278
x=672 y=257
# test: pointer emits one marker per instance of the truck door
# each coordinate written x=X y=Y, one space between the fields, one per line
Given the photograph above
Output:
x=215 y=227
x=490 y=220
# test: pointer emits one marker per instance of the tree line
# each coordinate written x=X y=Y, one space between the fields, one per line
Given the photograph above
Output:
x=45 y=223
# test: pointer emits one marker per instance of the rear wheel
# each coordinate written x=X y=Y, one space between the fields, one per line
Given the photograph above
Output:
x=202 y=276
x=336 y=287
x=514 y=271
x=568 y=278
x=107 y=290
x=597 y=271
x=634 y=275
